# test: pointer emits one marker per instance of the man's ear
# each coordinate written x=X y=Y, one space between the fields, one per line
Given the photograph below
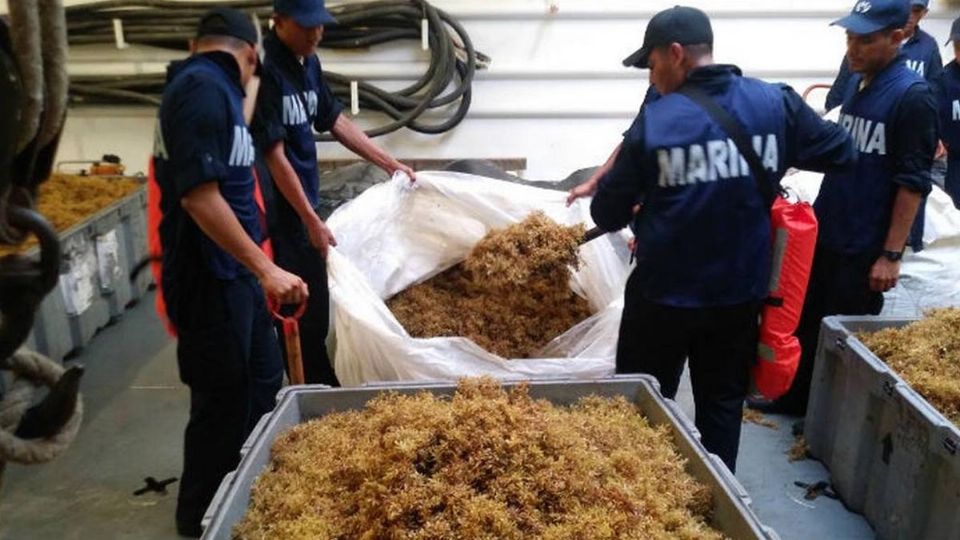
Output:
x=677 y=53
x=897 y=36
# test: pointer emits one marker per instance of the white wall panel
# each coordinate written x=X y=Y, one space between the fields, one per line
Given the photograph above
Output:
x=555 y=91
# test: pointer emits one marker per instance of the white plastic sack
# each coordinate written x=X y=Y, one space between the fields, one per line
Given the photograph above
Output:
x=395 y=235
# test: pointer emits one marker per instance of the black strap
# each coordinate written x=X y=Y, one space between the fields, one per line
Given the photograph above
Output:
x=736 y=132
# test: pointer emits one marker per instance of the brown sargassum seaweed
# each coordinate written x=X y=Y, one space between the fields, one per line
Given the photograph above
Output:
x=926 y=354
x=484 y=464
x=66 y=200
x=511 y=295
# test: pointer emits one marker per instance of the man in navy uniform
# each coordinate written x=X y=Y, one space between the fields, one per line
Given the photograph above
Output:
x=703 y=236
x=294 y=100
x=865 y=214
x=949 y=95
x=921 y=53
x=214 y=273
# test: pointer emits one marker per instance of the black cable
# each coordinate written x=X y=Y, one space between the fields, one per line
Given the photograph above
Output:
x=171 y=24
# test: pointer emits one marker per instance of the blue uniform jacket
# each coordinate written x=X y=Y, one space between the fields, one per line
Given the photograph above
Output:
x=294 y=100
x=893 y=124
x=703 y=236
x=201 y=136
x=949 y=97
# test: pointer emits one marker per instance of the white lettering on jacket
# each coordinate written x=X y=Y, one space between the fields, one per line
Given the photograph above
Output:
x=868 y=136
x=716 y=160
x=918 y=65
x=294 y=113
x=241 y=151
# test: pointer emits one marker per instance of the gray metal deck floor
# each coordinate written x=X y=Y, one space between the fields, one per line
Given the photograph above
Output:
x=136 y=410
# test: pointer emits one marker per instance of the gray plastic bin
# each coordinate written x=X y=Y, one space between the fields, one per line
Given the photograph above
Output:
x=94 y=286
x=51 y=328
x=114 y=256
x=732 y=512
x=891 y=455
x=135 y=239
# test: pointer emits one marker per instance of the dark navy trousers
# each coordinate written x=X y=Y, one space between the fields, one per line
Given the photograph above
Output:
x=231 y=361
x=293 y=253
x=720 y=344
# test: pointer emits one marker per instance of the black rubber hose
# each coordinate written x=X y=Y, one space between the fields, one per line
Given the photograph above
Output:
x=372 y=95
x=170 y=24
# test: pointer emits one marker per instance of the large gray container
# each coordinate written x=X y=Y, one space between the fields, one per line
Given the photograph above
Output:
x=891 y=455
x=732 y=512
x=94 y=286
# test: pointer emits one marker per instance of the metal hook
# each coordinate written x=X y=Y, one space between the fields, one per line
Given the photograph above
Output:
x=24 y=282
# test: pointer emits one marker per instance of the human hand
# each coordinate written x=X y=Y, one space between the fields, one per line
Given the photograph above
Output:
x=406 y=169
x=884 y=274
x=284 y=287
x=320 y=235
x=586 y=189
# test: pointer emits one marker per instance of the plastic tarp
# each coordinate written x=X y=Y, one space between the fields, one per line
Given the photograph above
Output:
x=398 y=234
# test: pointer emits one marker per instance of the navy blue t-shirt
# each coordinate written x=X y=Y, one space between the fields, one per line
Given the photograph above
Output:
x=294 y=100
x=893 y=122
x=201 y=136
x=703 y=236
x=949 y=97
x=921 y=54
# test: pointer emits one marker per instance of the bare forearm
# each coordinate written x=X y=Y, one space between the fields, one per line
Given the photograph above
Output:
x=605 y=168
x=216 y=219
x=350 y=135
x=287 y=181
x=589 y=186
x=905 y=206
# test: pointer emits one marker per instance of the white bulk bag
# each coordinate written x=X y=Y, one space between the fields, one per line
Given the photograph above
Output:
x=395 y=235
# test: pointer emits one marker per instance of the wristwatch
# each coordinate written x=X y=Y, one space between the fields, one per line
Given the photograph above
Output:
x=892 y=256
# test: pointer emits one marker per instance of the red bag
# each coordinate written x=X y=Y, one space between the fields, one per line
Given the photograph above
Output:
x=154 y=246
x=794 y=236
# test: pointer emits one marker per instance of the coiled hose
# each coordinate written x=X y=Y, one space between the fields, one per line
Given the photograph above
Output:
x=170 y=24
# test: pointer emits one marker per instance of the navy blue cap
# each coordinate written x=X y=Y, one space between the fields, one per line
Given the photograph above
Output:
x=307 y=13
x=954 y=31
x=869 y=16
x=679 y=24
x=224 y=21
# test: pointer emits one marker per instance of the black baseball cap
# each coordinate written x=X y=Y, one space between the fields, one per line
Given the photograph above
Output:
x=954 y=31
x=679 y=24
x=224 y=21
x=307 y=13
x=869 y=16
